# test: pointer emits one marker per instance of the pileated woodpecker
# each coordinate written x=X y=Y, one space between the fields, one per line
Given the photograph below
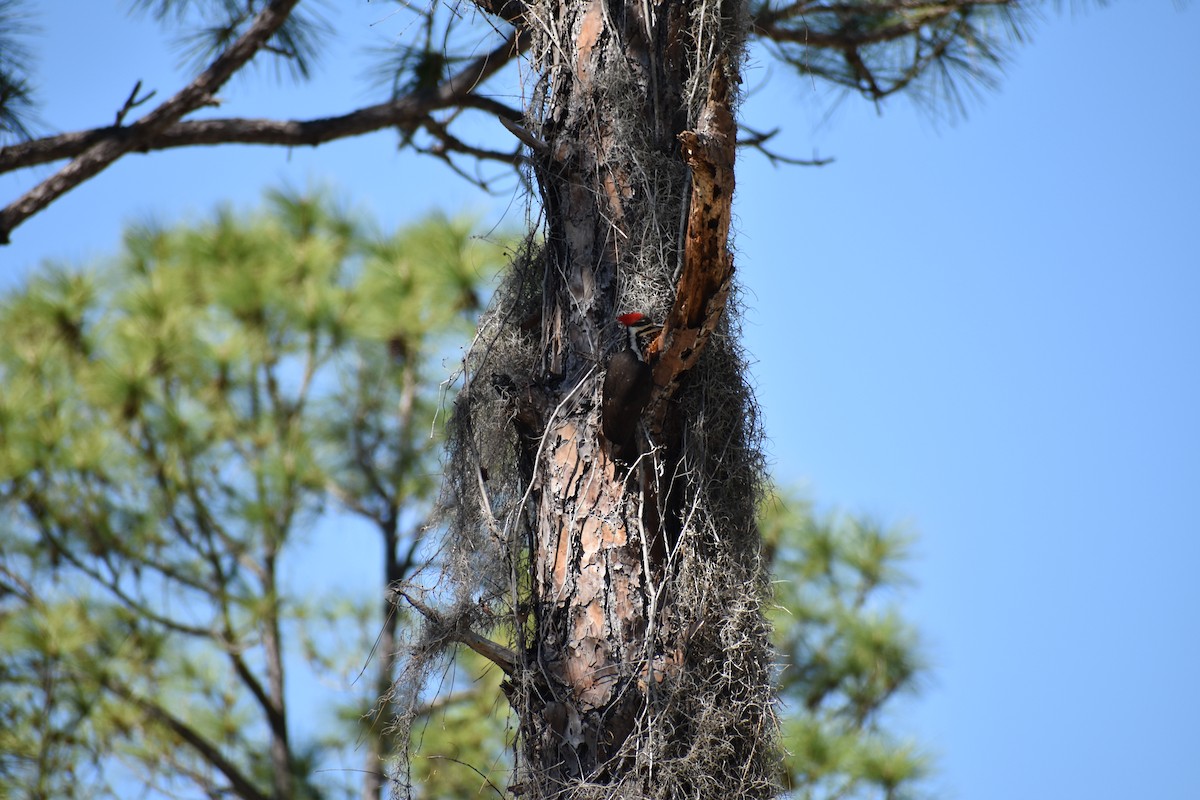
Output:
x=627 y=385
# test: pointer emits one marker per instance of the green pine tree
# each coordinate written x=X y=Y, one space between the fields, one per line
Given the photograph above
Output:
x=846 y=652
x=174 y=426
x=172 y=429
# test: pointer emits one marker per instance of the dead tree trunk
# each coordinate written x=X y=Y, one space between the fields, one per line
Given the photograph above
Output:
x=639 y=664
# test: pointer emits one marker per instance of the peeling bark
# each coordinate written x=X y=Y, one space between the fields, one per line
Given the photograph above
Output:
x=590 y=611
x=614 y=91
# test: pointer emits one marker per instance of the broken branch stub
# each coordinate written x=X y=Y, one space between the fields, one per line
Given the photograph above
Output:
x=707 y=272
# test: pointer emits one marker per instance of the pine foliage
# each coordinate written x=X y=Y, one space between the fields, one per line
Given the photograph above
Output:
x=173 y=430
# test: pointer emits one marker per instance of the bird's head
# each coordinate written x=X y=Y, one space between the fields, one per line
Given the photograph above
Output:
x=642 y=333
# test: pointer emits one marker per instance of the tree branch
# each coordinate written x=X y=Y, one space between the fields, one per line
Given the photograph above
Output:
x=95 y=149
x=200 y=91
x=511 y=11
x=449 y=143
x=47 y=521
x=240 y=783
x=758 y=140
x=409 y=110
x=909 y=15
x=807 y=10
x=499 y=655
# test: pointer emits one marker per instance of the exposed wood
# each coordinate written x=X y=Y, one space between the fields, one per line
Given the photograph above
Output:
x=704 y=280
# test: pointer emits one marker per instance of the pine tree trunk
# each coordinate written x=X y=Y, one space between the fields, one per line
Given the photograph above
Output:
x=614 y=179
x=640 y=666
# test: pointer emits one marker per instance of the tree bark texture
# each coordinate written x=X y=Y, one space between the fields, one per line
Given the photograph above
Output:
x=640 y=666
x=636 y=111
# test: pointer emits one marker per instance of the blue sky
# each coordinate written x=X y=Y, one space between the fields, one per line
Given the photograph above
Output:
x=987 y=331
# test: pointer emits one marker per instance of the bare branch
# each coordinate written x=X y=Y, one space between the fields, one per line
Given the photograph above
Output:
x=491 y=106
x=96 y=158
x=46 y=522
x=538 y=146
x=511 y=11
x=132 y=102
x=758 y=140
x=411 y=110
x=499 y=655
x=408 y=110
x=449 y=143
